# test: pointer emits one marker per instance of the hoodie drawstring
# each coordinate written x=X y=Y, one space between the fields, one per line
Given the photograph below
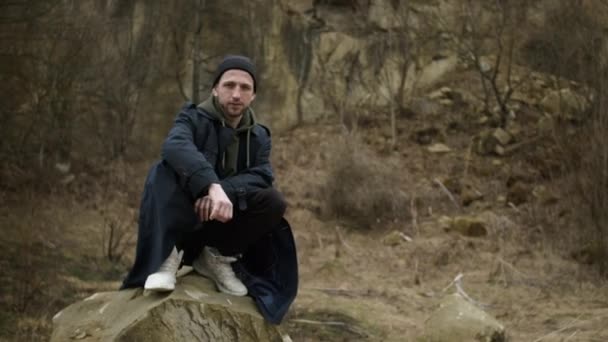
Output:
x=248 y=141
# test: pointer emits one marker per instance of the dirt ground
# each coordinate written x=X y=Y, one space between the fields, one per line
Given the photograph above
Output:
x=384 y=291
x=376 y=282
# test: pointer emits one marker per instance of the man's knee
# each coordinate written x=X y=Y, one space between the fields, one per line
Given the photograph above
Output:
x=271 y=201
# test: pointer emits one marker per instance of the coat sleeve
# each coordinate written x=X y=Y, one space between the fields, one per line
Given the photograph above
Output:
x=258 y=176
x=180 y=152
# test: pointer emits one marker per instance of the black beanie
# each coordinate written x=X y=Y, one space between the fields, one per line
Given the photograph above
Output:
x=235 y=62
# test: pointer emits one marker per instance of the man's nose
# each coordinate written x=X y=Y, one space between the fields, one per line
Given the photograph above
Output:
x=236 y=93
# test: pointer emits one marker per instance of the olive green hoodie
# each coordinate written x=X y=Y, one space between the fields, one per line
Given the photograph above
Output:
x=230 y=157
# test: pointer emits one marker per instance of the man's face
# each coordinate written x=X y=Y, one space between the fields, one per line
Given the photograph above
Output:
x=234 y=92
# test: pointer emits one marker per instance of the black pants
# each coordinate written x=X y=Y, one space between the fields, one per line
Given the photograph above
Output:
x=264 y=212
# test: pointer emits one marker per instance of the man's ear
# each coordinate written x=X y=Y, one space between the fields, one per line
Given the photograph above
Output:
x=252 y=97
x=213 y=91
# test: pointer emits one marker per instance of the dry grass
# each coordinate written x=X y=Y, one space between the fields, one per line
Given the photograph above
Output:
x=56 y=247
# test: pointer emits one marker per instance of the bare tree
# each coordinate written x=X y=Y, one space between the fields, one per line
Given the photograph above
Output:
x=498 y=34
x=394 y=56
x=196 y=50
x=121 y=78
x=47 y=57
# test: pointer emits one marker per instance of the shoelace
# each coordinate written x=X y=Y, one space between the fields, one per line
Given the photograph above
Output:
x=223 y=264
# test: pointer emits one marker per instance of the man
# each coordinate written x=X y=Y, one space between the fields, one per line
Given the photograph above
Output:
x=210 y=201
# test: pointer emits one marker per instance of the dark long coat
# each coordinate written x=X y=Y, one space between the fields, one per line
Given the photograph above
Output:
x=191 y=161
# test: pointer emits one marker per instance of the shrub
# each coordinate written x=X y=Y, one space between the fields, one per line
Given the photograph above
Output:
x=360 y=188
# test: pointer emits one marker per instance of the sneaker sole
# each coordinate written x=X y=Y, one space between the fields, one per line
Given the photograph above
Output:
x=158 y=287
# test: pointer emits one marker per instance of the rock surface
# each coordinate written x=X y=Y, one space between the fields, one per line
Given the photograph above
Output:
x=565 y=103
x=195 y=311
x=457 y=320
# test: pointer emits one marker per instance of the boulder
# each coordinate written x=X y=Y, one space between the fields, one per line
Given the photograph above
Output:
x=457 y=320
x=195 y=311
x=436 y=70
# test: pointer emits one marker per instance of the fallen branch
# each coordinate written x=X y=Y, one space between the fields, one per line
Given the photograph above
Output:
x=514 y=147
x=569 y=325
x=457 y=283
x=335 y=291
x=513 y=206
x=448 y=193
x=344 y=325
x=342 y=240
x=510 y=266
x=414 y=213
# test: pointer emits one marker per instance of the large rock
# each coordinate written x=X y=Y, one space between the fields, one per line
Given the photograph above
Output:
x=493 y=142
x=457 y=320
x=565 y=103
x=195 y=311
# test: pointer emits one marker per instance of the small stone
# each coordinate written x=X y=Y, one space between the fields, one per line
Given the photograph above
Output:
x=444 y=222
x=393 y=238
x=544 y=195
x=446 y=102
x=79 y=334
x=470 y=195
x=68 y=179
x=439 y=148
x=503 y=137
x=469 y=226
x=499 y=150
x=485 y=64
x=62 y=167
x=439 y=93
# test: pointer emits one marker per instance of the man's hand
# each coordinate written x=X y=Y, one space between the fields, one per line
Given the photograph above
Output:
x=215 y=206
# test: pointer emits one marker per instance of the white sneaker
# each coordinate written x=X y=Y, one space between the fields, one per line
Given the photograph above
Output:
x=216 y=267
x=164 y=278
